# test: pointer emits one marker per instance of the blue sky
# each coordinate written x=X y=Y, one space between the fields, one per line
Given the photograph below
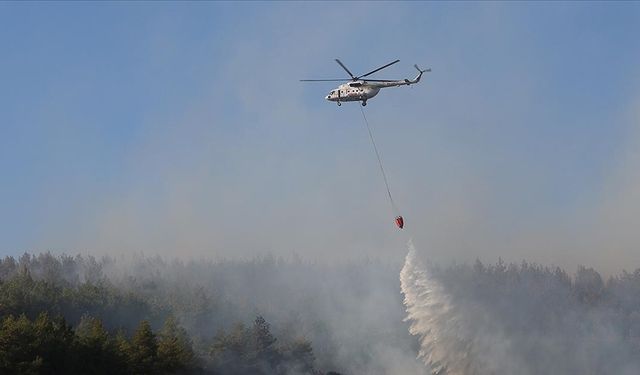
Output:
x=182 y=129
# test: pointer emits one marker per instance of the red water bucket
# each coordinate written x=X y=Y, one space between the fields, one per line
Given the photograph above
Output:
x=399 y=222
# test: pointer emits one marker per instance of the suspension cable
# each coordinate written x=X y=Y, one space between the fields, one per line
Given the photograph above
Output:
x=375 y=148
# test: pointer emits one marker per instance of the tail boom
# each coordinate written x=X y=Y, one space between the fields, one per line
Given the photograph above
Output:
x=402 y=82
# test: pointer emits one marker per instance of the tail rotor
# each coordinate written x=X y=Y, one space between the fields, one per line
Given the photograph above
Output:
x=420 y=70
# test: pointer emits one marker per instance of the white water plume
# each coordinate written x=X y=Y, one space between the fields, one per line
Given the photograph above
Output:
x=442 y=333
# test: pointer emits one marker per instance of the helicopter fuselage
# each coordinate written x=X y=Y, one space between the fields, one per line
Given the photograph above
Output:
x=362 y=90
x=352 y=92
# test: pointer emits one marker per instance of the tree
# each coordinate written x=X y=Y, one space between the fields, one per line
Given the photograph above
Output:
x=17 y=347
x=264 y=340
x=230 y=353
x=299 y=357
x=44 y=345
x=96 y=349
x=123 y=350
x=588 y=285
x=8 y=267
x=144 y=348
x=54 y=342
x=264 y=350
x=175 y=351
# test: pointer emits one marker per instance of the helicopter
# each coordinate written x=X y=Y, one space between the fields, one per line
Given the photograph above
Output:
x=358 y=89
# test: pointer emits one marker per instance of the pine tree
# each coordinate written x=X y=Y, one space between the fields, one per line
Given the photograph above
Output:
x=300 y=357
x=265 y=353
x=17 y=347
x=96 y=349
x=175 y=351
x=144 y=347
x=44 y=345
x=230 y=353
x=54 y=343
x=123 y=355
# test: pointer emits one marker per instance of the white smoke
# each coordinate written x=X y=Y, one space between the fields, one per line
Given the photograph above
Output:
x=449 y=343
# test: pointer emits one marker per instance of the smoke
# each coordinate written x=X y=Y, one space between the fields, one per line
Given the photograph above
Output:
x=521 y=319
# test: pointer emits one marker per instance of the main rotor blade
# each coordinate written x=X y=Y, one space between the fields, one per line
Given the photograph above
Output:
x=345 y=68
x=324 y=80
x=381 y=80
x=380 y=68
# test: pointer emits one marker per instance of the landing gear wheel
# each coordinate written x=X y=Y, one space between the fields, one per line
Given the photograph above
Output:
x=364 y=102
x=339 y=104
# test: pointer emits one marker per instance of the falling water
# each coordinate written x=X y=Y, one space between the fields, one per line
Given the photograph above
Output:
x=434 y=320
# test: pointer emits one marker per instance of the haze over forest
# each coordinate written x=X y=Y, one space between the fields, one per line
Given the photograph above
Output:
x=174 y=200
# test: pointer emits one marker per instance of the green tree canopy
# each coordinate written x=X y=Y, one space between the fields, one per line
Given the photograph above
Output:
x=144 y=347
x=175 y=351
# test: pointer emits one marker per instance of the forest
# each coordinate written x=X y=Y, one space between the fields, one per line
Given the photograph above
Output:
x=63 y=315
x=145 y=315
x=531 y=319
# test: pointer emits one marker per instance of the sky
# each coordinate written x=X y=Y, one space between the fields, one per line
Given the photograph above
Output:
x=182 y=129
